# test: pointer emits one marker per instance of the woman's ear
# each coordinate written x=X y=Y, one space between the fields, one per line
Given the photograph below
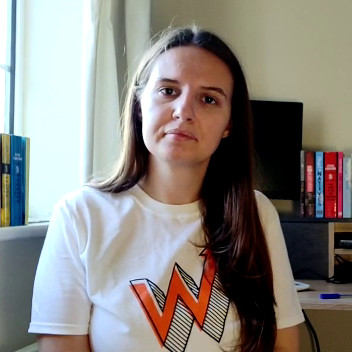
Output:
x=225 y=134
x=227 y=131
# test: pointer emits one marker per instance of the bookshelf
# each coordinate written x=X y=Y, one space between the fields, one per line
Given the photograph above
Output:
x=306 y=219
x=342 y=230
x=312 y=244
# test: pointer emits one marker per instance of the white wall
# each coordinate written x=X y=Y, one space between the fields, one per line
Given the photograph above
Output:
x=291 y=50
x=51 y=50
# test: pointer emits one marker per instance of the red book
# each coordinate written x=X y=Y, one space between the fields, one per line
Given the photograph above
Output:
x=330 y=182
x=339 y=184
x=302 y=207
x=310 y=183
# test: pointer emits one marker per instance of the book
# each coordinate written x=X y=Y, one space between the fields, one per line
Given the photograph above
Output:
x=309 y=184
x=5 y=178
x=16 y=176
x=330 y=183
x=339 y=184
x=302 y=190
x=25 y=183
x=0 y=176
x=319 y=184
x=346 y=188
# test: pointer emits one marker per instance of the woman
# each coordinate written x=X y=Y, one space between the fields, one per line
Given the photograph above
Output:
x=175 y=251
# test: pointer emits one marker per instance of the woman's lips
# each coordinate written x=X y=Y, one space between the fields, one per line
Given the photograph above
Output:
x=181 y=134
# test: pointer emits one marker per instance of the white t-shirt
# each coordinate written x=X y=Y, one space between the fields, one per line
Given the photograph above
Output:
x=127 y=270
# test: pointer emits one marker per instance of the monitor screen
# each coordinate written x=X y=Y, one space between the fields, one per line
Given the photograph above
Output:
x=277 y=129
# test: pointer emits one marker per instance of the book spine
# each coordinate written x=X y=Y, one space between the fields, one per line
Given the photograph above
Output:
x=6 y=179
x=0 y=175
x=25 y=188
x=330 y=178
x=347 y=188
x=302 y=190
x=319 y=184
x=16 y=175
x=339 y=184
x=310 y=182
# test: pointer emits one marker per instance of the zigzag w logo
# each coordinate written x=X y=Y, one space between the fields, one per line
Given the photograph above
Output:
x=172 y=316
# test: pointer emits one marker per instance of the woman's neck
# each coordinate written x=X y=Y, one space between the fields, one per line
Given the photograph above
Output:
x=173 y=185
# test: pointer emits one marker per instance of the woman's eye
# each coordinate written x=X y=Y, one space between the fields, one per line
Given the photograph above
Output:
x=209 y=100
x=167 y=91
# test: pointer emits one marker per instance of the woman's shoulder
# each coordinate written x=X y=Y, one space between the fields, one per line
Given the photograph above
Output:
x=262 y=199
x=81 y=194
x=266 y=209
x=89 y=197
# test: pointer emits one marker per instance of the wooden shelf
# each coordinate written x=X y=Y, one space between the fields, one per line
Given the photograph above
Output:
x=343 y=251
x=300 y=219
x=336 y=228
x=313 y=244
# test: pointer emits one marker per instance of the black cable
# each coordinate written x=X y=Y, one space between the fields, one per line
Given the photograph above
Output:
x=312 y=330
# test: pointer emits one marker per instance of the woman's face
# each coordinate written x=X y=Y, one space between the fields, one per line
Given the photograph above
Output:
x=186 y=107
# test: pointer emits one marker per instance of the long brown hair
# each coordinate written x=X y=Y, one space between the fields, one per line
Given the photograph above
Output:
x=232 y=228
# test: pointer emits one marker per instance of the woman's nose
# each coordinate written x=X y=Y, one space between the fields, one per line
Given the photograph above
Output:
x=184 y=108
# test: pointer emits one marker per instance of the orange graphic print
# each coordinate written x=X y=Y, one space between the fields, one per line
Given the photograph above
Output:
x=172 y=316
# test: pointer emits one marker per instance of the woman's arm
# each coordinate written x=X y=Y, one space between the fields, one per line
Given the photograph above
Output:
x=60 y=343
x=287 y=340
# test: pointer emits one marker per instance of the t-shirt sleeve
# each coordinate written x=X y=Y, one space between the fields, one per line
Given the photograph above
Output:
x=288 y=309
x=60 y=304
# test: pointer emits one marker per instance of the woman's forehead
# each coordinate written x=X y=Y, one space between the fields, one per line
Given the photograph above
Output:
x=191 y=62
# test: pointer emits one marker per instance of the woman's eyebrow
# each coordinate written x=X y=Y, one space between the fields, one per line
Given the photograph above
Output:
x=166 y=80
x=216 y=89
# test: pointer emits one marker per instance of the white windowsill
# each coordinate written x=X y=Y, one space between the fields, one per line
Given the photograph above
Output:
x=30 y=348
x=26 y=231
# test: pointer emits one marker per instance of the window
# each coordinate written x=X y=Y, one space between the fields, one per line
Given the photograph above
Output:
x=7 y=64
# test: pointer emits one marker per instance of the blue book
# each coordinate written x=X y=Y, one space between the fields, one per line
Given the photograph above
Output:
x=16 y=180
x=346 y=187
x=25 y=182
x=319 y=184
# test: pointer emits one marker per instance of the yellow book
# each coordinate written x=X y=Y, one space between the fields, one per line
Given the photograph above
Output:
x=5 y=179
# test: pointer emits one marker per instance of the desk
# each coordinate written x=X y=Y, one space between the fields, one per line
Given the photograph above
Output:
x=309 y=299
